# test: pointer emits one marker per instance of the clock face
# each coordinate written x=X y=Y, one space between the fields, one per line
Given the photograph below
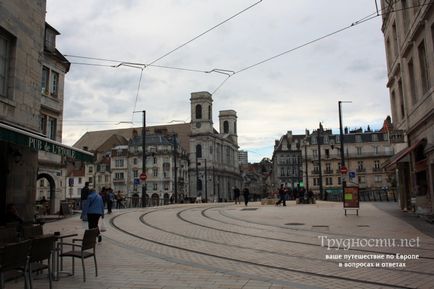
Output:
x=198 y=124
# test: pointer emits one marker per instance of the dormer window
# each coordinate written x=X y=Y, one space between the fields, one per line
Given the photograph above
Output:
x=50 y=39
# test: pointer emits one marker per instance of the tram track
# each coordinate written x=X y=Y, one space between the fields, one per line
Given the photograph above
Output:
x=246 y=262
x=277 y=239
x=142 y=220
x=293 y=229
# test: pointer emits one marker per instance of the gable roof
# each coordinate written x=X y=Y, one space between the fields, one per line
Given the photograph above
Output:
x=93 y=140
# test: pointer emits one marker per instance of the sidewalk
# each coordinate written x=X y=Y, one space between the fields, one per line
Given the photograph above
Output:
x=231 y=246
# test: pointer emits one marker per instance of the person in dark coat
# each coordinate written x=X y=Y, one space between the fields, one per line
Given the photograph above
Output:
x=237 y=195
x=83 y=200
x=246 y=195
x=282 y=196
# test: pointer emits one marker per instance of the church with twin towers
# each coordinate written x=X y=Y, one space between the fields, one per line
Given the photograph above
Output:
x=214 y=168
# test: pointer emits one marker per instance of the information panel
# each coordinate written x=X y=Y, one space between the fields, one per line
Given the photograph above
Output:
x=351 y=198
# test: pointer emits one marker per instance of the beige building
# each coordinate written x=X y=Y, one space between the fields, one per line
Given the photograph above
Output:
x=26 y=47
x=214 y=168
x=51 y=167
x=287 y=161
x=365 y=153
x=408 y=28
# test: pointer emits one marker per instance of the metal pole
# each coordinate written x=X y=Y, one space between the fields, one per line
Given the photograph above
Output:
x=197 y=175
x=341 y=136
x=206 y=185
x=144 y=158
x=176 y=173
x=319 y=161
x=307 y=173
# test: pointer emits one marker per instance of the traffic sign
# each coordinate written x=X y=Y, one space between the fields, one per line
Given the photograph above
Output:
x=343 y=170
x=143 y=176
x=352 y=174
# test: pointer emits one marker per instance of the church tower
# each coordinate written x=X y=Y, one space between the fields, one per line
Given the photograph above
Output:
x=228 y=124
x=201 y=112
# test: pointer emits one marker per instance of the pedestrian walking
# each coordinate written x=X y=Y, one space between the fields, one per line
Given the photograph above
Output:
x=119 y=199
x=110 y=200
x=246 y=195
x=83 y=199
x=282 y=196
x=237 y=195
x=95 y=210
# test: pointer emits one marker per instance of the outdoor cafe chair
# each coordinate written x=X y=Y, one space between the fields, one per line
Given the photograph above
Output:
x=41 y=250
x=8 y=235
x=14 y=262
x=31 y=231
x=83 y=251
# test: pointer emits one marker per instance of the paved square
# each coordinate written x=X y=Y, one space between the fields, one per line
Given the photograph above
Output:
x=227 y=246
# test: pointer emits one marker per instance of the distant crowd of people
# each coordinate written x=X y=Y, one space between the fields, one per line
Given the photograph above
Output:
x=299 y=193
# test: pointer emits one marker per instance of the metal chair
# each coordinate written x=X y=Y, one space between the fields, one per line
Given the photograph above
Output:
x=8 y=235
x=41 y=250
x=31 y=231
x=81 y=251
x=13 y=261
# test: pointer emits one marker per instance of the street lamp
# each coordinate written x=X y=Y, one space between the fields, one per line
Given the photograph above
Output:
x=320 y=130
x=341 y=136
x=144 y=159
x=305 y=143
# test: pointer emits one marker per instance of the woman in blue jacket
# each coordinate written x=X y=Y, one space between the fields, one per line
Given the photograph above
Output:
x=94 y=209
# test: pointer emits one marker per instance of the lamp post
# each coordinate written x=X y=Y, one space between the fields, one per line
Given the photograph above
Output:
x=144 y=159
x=320 y=129
x=305 y=164
x=206 y=184
x=341 y=137
x=175 y=169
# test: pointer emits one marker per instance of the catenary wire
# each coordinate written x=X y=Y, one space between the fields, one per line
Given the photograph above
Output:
x=358 y=22
x=205 y=32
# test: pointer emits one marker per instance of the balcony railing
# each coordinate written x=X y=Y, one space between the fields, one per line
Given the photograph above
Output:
x=361 y=170
x=328 y=172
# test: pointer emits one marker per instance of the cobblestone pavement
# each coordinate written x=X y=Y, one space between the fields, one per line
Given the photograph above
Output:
x=232 y=246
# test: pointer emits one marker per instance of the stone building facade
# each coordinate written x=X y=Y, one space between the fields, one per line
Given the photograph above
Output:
x=51 y=167
x=408 y=28
x=365 y=154
x=287 y=161
x=214 y=168
x=24 y=145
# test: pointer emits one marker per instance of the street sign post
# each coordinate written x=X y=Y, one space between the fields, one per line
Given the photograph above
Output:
x=143 y=177
x=344 y=170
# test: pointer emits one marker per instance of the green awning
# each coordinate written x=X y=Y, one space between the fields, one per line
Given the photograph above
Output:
x=36 y=142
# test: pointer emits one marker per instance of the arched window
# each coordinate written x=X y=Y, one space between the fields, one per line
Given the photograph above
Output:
x=198 y=151
x=198 y=111
x=225 y=126
x=209 y=112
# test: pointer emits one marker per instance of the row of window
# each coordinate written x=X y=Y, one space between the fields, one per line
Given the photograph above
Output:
x=361 y=179
x=224 y=154
x=360 y=166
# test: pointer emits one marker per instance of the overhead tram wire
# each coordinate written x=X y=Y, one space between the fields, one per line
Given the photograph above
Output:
x=369 y=17
x=205 y=32
x=358 y=22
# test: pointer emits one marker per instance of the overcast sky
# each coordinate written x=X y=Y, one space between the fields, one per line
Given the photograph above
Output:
x=292 y=92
